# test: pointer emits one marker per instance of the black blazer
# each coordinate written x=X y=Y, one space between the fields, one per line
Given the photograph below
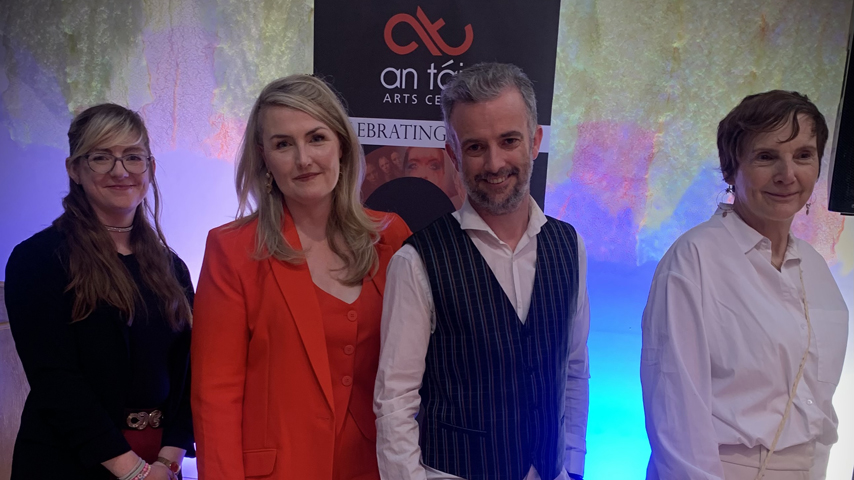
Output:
x=79 y=373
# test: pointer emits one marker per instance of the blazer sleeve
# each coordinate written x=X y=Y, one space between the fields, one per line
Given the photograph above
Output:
x=219 y=359
x=178 y=432
x=39 y=317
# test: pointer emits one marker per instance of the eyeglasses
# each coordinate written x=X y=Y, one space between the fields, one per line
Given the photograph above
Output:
x=104 y=162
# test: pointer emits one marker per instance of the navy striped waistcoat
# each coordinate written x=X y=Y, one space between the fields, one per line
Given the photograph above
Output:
x=493 y=394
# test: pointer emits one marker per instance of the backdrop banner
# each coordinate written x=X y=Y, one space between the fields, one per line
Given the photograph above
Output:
x=390 y=62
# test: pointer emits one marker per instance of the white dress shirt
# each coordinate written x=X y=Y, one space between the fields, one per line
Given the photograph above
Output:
x=409 y=319
x=723 y=337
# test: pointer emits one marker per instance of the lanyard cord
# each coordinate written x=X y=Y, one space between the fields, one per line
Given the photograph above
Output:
x=796 y=382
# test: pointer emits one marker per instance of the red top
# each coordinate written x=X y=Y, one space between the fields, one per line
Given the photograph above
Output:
x=352 y=340
x=262 y=391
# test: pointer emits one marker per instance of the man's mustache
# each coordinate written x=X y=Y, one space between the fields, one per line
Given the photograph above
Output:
x=504 y=172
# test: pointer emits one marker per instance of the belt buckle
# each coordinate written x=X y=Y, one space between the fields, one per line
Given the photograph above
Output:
x=141 y=420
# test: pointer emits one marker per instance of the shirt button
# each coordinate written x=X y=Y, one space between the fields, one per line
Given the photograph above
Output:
x=352 y=315
x=347 y=380
x=809 y=401
x=349 y=349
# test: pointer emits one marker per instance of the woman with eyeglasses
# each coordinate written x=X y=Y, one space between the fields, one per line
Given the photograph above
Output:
x=100 y=310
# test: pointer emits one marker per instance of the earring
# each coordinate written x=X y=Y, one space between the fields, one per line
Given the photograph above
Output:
x=269 y=185
x=722 y=204
x=810 y=202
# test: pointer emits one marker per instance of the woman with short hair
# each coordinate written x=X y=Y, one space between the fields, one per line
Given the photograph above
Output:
x=745 y=329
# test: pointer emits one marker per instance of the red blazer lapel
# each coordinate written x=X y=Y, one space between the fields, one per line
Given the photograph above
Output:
x=298 y=290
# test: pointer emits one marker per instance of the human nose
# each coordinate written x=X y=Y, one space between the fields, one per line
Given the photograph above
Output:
x=301 y=156
x=786 y=170
x=493 y=160
x=119 y=169
x=420 y=172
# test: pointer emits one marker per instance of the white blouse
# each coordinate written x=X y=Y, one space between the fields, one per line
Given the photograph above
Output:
x=723 y=336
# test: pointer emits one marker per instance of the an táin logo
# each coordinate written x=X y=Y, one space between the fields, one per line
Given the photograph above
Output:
x=428 y=32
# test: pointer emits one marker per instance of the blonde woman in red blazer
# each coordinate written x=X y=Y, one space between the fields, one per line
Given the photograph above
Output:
x=287 y=315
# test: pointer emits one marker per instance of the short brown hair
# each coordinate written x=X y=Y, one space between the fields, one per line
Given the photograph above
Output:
x=762 y=113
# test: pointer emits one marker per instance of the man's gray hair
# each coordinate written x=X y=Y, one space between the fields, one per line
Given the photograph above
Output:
x=485 y=81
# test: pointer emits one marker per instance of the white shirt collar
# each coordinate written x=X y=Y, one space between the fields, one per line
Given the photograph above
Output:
x=746 y=237
x=470 y=220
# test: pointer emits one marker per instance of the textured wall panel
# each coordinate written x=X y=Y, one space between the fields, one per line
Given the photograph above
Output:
x=639 y=90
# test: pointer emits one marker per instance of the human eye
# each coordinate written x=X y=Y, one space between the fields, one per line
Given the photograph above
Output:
x=100 y=158
x=511 y=141
x=434 y=166
x=764 y=157
x=135 y=158
x=318 y=137
x=807 y=155
x=474 y=149
x=282 y=144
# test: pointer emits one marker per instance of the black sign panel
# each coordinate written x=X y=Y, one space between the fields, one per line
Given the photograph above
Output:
x=390 y=61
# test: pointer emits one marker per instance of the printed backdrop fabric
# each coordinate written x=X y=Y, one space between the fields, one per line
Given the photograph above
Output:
x=638 y=90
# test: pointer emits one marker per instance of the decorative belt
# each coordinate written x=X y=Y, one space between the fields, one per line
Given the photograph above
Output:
x=141 y=420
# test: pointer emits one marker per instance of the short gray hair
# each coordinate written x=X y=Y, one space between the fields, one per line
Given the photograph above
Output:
x=485 y=81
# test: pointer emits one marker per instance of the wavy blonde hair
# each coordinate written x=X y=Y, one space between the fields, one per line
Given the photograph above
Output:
x=96 y=275
x=350 y=231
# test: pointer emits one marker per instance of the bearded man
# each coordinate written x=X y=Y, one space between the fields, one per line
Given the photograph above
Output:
x=485 y=312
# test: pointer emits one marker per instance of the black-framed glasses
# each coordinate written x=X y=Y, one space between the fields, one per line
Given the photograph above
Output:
x=104 y=162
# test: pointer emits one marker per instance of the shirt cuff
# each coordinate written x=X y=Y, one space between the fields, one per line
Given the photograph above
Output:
x=574 y=461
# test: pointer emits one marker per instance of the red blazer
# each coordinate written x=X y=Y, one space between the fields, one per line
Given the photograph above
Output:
x=261 y=387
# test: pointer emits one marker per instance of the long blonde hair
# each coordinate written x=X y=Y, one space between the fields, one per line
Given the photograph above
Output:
x=350 y=231
x=96 y=274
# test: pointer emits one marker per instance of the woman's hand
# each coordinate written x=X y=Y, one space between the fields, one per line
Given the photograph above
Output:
x=173 y=455
x=160 y=472
x=123 y=464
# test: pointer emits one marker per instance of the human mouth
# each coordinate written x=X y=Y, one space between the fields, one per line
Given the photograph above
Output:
x=782 y=196
x=120 y=187
x=497 y=178
x=306 y=176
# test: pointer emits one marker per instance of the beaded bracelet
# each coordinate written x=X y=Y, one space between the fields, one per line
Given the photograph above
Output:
x=144 y=473
x=135 y=471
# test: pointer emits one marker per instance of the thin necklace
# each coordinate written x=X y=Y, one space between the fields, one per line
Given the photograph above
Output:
x=798 y=377
x=764 y=465
x=111 y=228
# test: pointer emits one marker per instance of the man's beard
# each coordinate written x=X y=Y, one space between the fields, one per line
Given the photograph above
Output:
x=509 y=203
